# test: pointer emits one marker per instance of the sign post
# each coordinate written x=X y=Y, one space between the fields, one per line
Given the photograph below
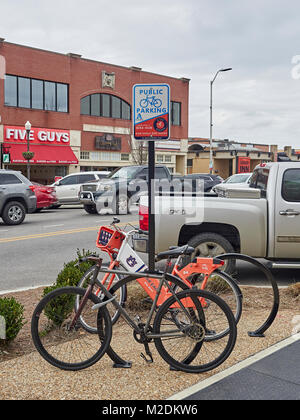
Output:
x=151 y=121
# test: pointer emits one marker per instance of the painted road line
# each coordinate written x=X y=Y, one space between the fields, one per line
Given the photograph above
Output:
x=47 y=226
x=56 y=233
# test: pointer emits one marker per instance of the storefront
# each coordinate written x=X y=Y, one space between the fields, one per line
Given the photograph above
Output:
x=51 y=148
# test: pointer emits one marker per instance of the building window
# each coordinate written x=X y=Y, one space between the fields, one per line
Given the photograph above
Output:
x=50 y=96
x=175 y=113
x=10 y=91
x=125 y=156
x=159 y=158
x=24 y=92
x=105 y=105
x=84 y=155
x=168 y=158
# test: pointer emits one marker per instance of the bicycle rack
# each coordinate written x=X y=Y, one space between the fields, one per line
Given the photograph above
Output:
x=259 y=332
x=118 y=361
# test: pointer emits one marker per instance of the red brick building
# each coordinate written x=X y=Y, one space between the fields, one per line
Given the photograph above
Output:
x=80 y=112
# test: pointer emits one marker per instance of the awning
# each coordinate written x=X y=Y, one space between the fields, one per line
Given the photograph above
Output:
x=43 y=154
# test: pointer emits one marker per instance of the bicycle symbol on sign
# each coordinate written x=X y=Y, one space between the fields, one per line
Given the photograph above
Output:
x=150 y=100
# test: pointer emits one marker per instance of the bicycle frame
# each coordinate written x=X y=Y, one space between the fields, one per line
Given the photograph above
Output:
x=129 y=260
x=187 y=303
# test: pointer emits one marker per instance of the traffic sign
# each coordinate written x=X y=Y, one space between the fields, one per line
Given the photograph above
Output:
x=6 y=158
x=151 y=111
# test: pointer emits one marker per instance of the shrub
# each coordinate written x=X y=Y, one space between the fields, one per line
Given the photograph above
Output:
x=68 y=276
x=12 y=311
x=294 y=290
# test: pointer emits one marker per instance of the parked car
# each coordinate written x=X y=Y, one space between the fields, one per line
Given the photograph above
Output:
x=210 y=180
x=16 y=197
x=125 y=183
x=236 y=181
x=45 y=195
x=67 y=188
x=261 y=220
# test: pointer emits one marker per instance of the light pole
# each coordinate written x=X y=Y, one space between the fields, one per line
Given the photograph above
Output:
x=211 y=124
x=28 y=155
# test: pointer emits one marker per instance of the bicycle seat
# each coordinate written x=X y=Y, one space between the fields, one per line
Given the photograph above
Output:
x=175 y=252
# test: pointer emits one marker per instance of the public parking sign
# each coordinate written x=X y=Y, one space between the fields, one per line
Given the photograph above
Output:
x=151 y=109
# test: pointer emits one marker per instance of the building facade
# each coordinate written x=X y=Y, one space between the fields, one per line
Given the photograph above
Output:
x=80 y=113
x=229 y=157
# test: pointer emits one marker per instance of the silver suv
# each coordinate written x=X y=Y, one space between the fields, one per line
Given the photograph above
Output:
x=67 y=188
x=16 y=197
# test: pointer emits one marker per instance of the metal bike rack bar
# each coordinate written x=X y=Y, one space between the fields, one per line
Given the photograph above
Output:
x=259 y=332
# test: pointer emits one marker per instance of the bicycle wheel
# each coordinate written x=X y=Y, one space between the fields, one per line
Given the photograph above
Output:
x=121 y=295
x=221 y=284
x=61 y=344
x=189 y=349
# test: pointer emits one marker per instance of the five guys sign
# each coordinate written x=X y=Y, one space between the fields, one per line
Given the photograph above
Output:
x=37 y=135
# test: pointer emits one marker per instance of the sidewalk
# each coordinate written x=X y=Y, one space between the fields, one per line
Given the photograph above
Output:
x=272 y=374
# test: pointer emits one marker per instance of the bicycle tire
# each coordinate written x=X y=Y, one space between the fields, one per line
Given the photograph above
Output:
x=83 y=282
x=196 y=332
x=55 y=341
x=228 y=291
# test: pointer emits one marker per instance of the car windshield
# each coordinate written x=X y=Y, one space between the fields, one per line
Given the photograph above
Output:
x=237 y=178
x=126 y=173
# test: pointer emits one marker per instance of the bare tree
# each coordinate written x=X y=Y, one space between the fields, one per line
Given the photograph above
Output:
x=139 y=150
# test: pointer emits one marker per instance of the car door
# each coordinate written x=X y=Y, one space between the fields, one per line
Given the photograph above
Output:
x=66 y=188
x=287 y=214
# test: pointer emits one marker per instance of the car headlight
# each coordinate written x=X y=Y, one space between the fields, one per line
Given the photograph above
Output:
x=104 y=188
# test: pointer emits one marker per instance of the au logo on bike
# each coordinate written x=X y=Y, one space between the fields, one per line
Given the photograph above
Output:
x=151 y=109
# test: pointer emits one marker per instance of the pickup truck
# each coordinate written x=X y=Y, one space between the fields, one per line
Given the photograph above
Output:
x=261 y=220
x=120 y=189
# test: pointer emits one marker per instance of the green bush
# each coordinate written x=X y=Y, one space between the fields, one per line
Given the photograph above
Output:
x=68 y=276
x=13 y=313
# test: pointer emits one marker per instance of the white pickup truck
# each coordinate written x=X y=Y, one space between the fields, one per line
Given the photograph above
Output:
x=261 y=220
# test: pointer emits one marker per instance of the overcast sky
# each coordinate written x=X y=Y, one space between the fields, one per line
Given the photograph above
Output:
x=258 y=101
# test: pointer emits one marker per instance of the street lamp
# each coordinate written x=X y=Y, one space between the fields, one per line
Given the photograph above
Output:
x=211 y=124
x=28 y=155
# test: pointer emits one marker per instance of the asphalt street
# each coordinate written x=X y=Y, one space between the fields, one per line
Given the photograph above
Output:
x=33 y=253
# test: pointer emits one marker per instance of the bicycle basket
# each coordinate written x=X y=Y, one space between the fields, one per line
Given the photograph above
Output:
x=109 y=238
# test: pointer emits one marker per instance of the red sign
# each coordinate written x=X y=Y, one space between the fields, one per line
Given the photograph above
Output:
x=243 y=165
x=36 y=135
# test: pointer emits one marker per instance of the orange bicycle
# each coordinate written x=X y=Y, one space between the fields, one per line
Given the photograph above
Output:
x=204 y=273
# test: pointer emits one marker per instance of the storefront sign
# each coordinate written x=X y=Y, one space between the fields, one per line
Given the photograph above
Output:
x=108 y=142
x=36 y=135
x=243 y=165
x=151 y=108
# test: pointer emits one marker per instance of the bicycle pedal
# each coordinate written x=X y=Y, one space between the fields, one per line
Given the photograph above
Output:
x=145 y=358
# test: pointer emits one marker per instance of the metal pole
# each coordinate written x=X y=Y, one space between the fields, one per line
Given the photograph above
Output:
x=210 y=135
x=211 y=124
x=28 y=163
x=1 y=156
x=151 y=201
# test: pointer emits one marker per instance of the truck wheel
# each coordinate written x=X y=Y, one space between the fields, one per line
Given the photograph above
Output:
x=90 y=208
x=13 y=213
x=211 y=245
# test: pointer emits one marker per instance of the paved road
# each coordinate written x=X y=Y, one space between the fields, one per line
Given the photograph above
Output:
x=34 y=252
